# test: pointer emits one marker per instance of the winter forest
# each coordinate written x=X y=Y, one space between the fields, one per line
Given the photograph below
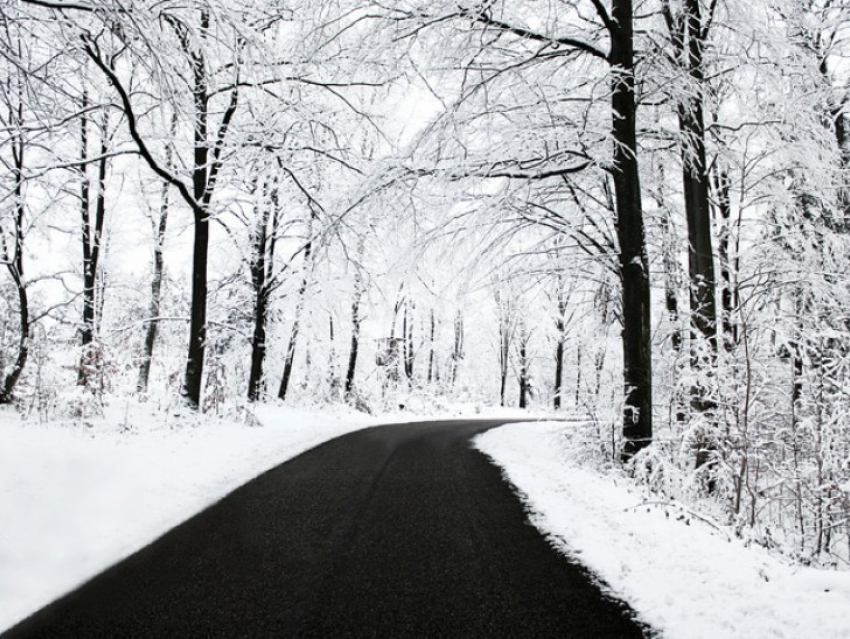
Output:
x=637 y=211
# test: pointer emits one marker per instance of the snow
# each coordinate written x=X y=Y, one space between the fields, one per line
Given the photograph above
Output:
x=682 y=575
x=77 y=497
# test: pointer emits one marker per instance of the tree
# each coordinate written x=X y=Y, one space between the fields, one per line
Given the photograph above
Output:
x=12 y=117
x=262 y=268
x=523 y=48
x=688 y=32
x=159 y=223
x=92 y=237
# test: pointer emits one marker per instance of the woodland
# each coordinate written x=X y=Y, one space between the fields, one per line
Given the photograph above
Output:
x=637 y=211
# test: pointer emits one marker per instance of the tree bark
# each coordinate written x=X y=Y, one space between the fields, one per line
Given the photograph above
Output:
x=633 y=262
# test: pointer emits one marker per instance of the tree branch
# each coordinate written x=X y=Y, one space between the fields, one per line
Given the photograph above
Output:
x=92 y=51
x=575 y=43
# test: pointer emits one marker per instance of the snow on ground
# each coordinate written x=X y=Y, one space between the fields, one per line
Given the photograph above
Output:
x=683 y=577
x=77 y=497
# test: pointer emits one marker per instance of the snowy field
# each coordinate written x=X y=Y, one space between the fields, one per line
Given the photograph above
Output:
x=684 y=577
x=75 y=499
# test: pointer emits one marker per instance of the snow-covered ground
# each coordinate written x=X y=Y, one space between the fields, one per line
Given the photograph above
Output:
x=684 y=577
x=76 y=498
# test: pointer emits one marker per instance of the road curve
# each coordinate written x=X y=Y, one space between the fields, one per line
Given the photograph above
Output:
x=395 y=531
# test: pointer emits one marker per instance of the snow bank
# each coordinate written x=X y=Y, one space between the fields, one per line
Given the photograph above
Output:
x=682 y=576
x=75 y=498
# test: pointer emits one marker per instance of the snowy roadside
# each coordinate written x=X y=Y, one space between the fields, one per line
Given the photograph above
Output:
x=683 y=577
x=75 y=499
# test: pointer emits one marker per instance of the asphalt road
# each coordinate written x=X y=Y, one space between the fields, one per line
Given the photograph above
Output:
x=395 y=531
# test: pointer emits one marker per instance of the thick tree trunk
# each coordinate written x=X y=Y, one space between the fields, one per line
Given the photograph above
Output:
x=198 y=321
x=633 y=262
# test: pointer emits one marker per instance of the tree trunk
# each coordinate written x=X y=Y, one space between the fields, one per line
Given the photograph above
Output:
x=457 y=350
x=355 y=345
x=409 y=352
x=15 y=266
x=92 y=235
x=431 y=353
x=671 y=266
x=258 y=348
x=259 y=278
x=299 y=309
x=504 y=354
x=198 y=320
x=355 y=327
x=633 y=262
x=332 y=364
x=523 y=369
x=561 y=328
x=85 y=225
x=559 y=373
x=728 y=303
x=688 y=36
x=158 y=272
x=578 y=375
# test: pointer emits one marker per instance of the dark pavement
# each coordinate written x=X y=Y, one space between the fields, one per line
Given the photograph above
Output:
x=395 y=531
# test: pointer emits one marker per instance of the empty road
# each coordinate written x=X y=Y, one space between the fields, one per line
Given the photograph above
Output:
x=394 y=531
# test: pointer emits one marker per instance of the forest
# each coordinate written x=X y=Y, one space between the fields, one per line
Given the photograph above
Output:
x=636 y=211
